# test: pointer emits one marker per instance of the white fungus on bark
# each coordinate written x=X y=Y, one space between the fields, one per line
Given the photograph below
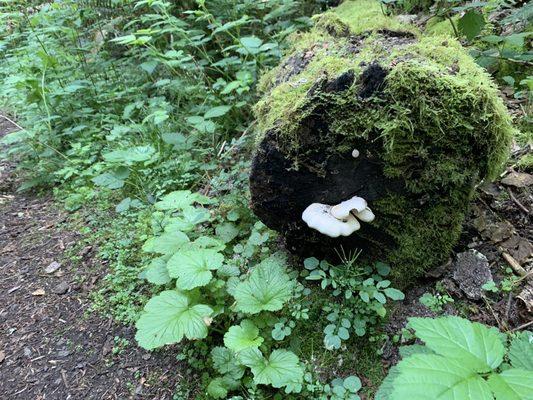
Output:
x=355 y=153
x=338 y=220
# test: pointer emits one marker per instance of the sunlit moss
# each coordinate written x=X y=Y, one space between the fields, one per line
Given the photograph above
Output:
x=436 y=123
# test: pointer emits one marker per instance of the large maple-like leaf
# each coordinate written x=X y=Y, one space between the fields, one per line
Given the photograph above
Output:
x=168 y=318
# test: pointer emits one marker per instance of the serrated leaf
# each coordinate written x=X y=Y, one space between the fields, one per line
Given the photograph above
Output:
x=425 y=376
x=477 y=346
x=407 y=351
x=224 y=361
x=180 y=199
x=243 y=336
x=280 y=369
x=471 y=24
x=167 y=243
x=193 y=267
x=521 y=351
x=512 y=384
x=130 y=155
x=168 y=318
x=267 y=288
x=217 y=112
x=157 y=272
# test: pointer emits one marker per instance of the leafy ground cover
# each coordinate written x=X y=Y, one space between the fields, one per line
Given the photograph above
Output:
x=142 y=126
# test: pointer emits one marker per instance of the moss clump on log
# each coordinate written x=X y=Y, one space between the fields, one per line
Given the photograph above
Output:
x=426 y=119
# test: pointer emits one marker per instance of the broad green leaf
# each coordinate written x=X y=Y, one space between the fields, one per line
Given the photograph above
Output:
x=130 y=155
x=267 y=288
x=352 y=384
x=521 y=351
x=180 y=199
x=425 y=377
x=280 y=369
x=168 y=318
x=167 y=243
x=188 y=220
x=243 y=336
x=471 y=24
x=227 y=232
x=477 y=346
x=512 y=384
x=224 y=361
x=157 y=272
x=219 y=387
x=387 y=386
x=394 y=294
x=217 y=112
x=108 y=180
x=193 y=267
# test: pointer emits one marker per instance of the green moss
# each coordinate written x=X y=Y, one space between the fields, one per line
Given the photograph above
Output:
x=437 y=125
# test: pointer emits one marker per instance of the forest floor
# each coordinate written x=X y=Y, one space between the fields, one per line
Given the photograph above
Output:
x=51 y=345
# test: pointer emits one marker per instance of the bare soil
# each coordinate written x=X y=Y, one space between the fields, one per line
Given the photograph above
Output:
x=51 y=345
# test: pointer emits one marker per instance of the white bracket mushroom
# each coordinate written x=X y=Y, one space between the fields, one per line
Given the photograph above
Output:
x=340 y=219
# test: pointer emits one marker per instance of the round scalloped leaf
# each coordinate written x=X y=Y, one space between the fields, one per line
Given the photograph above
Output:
x=281 y=369
x=167 y=243
x=243 y=336
x=433 y=377
x=157 y=272
x=475 y=345
x=193 y=267
x=168 y=318
x=267 y=288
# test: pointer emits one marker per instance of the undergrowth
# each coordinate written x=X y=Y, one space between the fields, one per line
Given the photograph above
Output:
x=138 y=114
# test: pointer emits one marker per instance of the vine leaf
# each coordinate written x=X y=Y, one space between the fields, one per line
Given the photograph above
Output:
x=193 y=267
x=243 y=336
x=267 y=288
x=168 y=318
x=475 y=345
x=428 y=376
x=512 y=384
x=282 y=368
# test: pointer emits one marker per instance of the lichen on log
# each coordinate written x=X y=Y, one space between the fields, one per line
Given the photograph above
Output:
x=427 y=123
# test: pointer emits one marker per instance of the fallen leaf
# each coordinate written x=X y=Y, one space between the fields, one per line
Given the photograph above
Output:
x=52 y=267
x=38 y=292
x=518 y=179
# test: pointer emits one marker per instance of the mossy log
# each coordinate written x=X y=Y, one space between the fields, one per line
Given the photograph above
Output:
x=426 y=120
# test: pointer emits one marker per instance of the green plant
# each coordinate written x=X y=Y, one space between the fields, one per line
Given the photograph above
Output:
x=363 y=291
x=435 y=302
x=460 y=360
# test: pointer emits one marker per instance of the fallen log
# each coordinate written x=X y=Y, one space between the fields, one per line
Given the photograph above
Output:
x=367 y=110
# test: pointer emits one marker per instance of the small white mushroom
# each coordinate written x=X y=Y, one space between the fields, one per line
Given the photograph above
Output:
x=366 y=215
x=342 y=210
x=355 y=153
x=318 y=216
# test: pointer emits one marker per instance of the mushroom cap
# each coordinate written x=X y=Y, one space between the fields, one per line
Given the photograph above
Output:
x=355 y=153
x=366 y=215
x=342 y=210
x=318 y=216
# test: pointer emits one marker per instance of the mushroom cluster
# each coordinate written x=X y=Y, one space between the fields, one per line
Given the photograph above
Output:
x=340 y=219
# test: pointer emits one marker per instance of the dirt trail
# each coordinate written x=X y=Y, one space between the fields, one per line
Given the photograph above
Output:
x=51 y=347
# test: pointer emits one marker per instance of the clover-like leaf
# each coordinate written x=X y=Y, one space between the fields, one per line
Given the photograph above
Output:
x=193 y=267
x=267 y=288
x=168 y=318
x=282 y=368
x=243 y=336
x=512 y=384
x=475 y=345
x=168 y=243
x=427 y=376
